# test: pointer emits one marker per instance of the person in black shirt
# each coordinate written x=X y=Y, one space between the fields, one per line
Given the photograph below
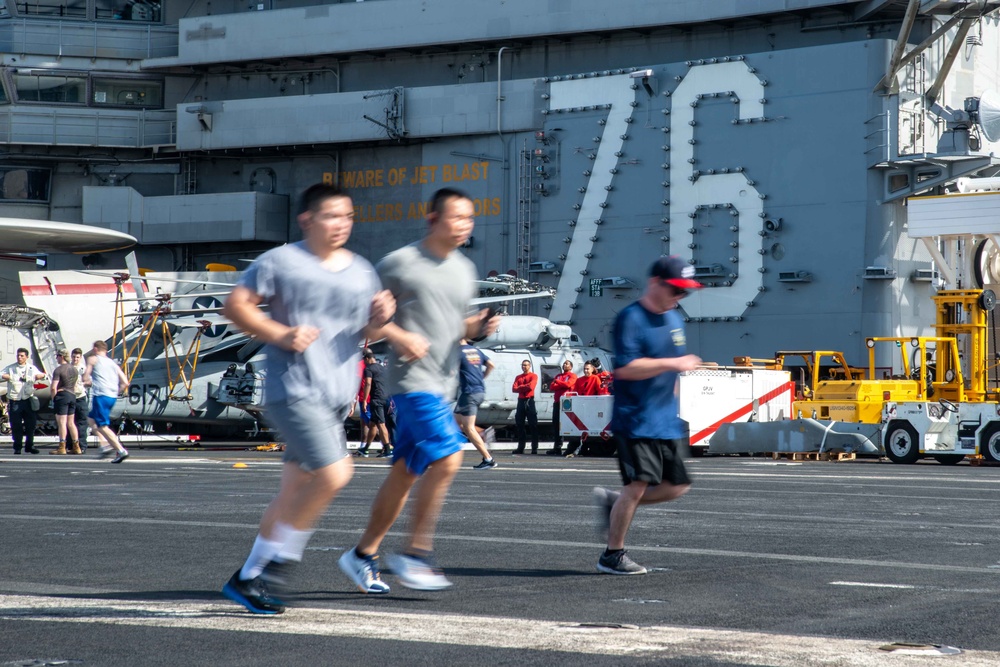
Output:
x=373 y=401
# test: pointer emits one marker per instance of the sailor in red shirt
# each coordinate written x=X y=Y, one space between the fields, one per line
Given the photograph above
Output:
x=524 y=386
x=363 y=415
x=559 y=385
x=589 y=384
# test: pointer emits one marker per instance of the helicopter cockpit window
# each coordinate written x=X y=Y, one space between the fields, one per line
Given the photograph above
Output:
x=546 y=375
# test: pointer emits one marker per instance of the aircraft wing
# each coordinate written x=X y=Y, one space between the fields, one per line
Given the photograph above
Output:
x=22 y=235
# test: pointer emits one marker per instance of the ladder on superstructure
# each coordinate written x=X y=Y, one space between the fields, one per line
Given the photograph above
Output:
x=525 y=199
x=189 y=177
x=917 y=78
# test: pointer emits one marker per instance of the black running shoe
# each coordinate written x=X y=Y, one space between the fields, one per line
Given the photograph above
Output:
x=277 y=575
x=252 y=594
x=32 y=450
x=385 y=453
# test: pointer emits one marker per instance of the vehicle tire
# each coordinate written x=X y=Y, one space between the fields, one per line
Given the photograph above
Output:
x=989 y=443
x=901 y=443
x=698 y=452
x=949 y=459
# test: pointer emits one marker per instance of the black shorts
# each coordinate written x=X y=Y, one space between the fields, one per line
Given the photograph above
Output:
x=64 y=403
x=377 y=410
x=652 y=461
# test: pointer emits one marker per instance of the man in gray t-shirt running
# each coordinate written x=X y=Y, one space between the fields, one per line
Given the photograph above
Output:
x=323 y=300
x=433 y=283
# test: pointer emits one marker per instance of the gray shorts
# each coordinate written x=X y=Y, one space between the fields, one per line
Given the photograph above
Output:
x=313 y=433
x=468 y=404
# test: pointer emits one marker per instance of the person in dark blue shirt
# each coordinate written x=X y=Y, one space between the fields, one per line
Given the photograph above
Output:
x=650 y=350
x=473 y=368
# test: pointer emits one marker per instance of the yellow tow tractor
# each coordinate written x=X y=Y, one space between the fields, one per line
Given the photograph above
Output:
x=930 y=398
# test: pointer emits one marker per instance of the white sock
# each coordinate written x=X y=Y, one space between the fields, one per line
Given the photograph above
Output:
x=295 y=545
x=264 y=551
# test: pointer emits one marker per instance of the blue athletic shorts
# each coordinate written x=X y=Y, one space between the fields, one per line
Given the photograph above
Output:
x=100 y=409
x=426 y=431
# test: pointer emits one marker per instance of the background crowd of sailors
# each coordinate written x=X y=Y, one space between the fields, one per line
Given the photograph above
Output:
x=83 y=391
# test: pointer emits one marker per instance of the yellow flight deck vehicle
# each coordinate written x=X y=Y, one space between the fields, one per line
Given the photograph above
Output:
x=956 y=414
x=831 y=389
x=930 y=398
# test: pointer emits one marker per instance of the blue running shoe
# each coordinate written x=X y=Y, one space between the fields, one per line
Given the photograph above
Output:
x=252 y=594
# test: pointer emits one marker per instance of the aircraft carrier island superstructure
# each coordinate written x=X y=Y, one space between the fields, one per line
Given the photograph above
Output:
x=772 y=143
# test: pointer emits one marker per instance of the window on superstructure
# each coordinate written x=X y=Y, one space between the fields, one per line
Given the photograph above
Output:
x=52 y=89
x=127 y=93
x=52 y=8
x=143 y=11
x=24 y=184
x=140 y=11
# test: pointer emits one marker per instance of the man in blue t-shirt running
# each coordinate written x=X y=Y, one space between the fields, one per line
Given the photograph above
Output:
x=650 y=350
x=473 y=368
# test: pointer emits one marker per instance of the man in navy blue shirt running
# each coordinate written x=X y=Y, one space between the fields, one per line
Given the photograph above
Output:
x=473 y=368
x=650 y=350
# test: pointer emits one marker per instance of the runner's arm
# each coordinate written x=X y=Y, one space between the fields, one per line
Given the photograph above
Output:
x=644 y=368
x=242 y=307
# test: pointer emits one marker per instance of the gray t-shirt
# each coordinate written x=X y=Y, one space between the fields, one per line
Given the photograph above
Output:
x=300 y=291
x=432 y=299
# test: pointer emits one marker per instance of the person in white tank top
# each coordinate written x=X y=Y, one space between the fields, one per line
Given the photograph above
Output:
x=106 y=381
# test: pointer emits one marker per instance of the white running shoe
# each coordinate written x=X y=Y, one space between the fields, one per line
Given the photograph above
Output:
x=363 y=572
x=420 y=574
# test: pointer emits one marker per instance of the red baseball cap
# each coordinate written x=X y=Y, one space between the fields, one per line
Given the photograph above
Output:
x=674 y=270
